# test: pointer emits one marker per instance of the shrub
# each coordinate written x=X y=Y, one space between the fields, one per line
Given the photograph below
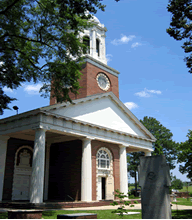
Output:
x=131 y=197
x=121 y=209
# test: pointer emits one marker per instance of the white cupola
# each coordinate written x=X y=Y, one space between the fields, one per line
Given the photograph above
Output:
x=94 y=37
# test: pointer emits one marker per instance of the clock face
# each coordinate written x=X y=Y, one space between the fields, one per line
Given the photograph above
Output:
x=103 y=81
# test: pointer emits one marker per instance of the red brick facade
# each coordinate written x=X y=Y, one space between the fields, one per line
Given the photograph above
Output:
x=89 y=84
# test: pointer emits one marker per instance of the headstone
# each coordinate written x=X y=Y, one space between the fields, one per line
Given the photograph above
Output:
x=110 y=188
x=154 y=180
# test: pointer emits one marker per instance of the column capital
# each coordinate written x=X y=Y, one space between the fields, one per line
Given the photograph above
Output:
x=40 y=127
x=123 y=145
x=88 y=138
x=4 y=138
x=147 y=153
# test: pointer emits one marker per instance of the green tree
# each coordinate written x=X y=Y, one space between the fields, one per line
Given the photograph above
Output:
x=181 y=26
x=37 y=39
x=164 y=143
x=133 y=163
x=185 y=156
x=176 y=183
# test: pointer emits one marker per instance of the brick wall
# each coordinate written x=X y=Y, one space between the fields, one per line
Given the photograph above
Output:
x=89 y=84
x=13 y=145
x=116 y=172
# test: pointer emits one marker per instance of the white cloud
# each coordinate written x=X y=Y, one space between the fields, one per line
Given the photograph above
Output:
x=147 y=93
x=155 y=91
x=131 y=105
x=108 y=56
x=136 y=44
x=123 y=40
x=32 y=89
x=5 y=89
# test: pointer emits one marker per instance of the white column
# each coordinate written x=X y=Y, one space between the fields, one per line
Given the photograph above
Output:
x=37 y=177
x=94 y=43
x=103 y=49
x=47 y=171
x=3 y=153
x=86 y=171
x=148 y=153
x=123 y=170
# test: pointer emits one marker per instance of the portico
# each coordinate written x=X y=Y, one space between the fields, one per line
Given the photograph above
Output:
x=46 y=127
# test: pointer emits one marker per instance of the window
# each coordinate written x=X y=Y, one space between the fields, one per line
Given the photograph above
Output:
x=97 y=47
x=103 y=159
x=86 y=42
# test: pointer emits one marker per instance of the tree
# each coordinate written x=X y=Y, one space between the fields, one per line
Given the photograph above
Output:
x=176 y=183
x=133 y=163
x=181 y=26
x=185 y=156
x=164 y=143
x=39 y=42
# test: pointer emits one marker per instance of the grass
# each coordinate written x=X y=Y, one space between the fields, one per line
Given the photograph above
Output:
x=185 y=189
x=183 y=201
x=106 y=214
x=182 y=214
x=101 y=214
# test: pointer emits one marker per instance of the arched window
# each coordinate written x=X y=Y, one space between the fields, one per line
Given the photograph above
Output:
x=97 y=47
x=86 y=42
x=103 y=159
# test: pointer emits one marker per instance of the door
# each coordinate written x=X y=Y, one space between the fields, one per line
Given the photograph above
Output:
x=103 y=188
x=21 y=187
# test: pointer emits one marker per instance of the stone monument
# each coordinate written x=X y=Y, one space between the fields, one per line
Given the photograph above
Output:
x=154 y=180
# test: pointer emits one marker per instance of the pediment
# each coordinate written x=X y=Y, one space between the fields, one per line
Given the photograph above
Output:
x=104 y=110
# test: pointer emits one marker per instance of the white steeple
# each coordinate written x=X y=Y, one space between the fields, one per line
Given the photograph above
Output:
x=95 y=38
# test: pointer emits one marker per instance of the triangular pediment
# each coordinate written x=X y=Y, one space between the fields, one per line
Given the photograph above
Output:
x=105 y=110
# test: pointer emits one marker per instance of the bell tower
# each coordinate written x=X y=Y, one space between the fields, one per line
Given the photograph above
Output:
x=97 y=76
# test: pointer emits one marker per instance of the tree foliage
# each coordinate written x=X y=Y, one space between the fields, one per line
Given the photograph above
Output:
x=176 y=183
x=133 y=163
x=164 y=143
x=185 y=156
x=37 y=39
x=181 y=26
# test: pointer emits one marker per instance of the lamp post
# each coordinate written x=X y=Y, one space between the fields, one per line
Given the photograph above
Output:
x=16 y=108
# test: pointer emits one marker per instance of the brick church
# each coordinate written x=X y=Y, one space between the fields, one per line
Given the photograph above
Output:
x=73 y=151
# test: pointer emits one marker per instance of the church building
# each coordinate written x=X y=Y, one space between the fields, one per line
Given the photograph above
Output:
x=73 y=151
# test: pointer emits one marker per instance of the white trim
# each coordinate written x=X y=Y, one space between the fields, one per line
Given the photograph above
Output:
x=101 y=65
x=103 y=172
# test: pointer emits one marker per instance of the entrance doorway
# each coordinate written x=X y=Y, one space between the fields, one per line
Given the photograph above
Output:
x=103 y=188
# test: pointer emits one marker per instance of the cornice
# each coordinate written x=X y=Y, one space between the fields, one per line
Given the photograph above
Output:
x=101 y=65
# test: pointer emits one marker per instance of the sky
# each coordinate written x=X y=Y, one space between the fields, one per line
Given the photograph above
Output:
x=154 y=80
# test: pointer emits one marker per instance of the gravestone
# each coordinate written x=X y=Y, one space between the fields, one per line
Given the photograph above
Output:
x=154 y=180
x=110 y=188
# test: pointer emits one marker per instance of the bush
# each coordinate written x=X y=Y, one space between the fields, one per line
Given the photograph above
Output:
x=136 y=202
x=131 y=197
x=190 y=194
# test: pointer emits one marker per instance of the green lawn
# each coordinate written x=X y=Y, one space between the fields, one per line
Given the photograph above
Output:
x=183 y=201
x=185 y=189
x=106 y=214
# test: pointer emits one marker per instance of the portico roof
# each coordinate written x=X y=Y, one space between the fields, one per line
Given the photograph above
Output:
x=49 y=119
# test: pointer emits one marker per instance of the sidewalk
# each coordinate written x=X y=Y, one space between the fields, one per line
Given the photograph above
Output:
x=136 y=206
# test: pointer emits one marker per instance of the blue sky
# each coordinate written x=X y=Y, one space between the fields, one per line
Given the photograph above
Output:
x=153 y=80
